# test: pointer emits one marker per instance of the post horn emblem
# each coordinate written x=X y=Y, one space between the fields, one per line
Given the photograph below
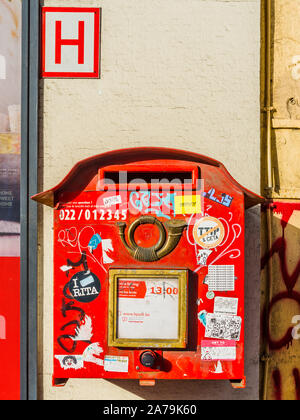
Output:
x=170 y=233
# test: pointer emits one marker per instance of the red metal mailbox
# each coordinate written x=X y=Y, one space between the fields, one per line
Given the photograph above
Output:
x=149 y=268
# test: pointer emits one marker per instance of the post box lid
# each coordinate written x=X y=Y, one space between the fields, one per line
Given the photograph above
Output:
x=83 y=172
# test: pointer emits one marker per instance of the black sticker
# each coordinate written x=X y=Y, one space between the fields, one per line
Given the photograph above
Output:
x=84 y=286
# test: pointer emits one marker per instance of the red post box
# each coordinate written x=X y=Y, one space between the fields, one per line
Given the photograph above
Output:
x=149 y=268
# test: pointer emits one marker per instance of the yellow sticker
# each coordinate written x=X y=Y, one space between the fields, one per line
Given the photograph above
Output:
x=187 y=204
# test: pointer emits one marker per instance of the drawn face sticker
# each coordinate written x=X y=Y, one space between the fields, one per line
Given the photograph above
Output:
x=69 y=362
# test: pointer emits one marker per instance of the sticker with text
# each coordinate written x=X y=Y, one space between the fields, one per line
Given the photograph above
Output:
x=218 y=350
x=188 y=204
x=112 y=201
x=208 y=232
x=115 y=363
x=225 y=199
x=226 y=305
x=220 y=278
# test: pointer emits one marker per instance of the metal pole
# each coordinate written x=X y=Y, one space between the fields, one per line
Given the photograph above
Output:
x=269 y=189
x=28 y=209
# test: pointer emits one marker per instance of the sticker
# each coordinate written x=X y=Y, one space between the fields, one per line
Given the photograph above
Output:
x=226 y=327
x=202 y=317
x=188 y=204
x=202 y=256
x=84 y=286
x=2 y=328
x=208 y=232
x=148 y=202
x=111 y=201
x=94 y=242
x=116 y=364
x=90 y=355
x=218 y=350
x=70 y=361
x=226 y=199
x=210 y=295
x=218 y=368
x=226 y=305
x=85 y=331
x=107 y=247
x=65 y=268
x=220 y=278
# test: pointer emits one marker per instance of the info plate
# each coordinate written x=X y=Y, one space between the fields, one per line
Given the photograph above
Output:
x=148 y=308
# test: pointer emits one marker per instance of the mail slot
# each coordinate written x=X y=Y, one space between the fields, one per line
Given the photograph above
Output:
x=149 y=268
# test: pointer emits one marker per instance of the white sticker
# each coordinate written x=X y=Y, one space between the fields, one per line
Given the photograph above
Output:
x=111 y=201
x=107 y=247
x=218 y=350
x=116 y=364
x=71 y=361
x=92 y=352
x=220 y=278
x=77 y=361
x=86 y=281
x=218 y=368
x=226 y=305
x=65 y=268
x=85 y=331
x=202 y=256
x=220 y=326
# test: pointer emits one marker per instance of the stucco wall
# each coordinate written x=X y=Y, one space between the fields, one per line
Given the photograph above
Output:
x=174 y=73
x=280 y=259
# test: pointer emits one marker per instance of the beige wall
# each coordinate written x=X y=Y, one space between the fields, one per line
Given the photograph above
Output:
x=174 y=73
x=280 y=268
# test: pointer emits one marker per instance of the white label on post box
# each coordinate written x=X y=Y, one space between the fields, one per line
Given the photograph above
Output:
x=218 y=350
x=226 y=305
x=116 y=363
x=71 y=42
x=148 y=308
x=220 y=278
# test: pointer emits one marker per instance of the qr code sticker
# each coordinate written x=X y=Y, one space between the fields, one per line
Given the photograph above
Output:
x=226 y=327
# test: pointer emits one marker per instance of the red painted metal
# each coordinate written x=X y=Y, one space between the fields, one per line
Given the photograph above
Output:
x=84 y=171
x=80 y=217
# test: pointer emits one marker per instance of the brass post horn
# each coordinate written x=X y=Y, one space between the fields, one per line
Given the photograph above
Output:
x=172 y=230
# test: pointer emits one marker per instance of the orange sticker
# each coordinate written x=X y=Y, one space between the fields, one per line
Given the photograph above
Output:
x=208 y=232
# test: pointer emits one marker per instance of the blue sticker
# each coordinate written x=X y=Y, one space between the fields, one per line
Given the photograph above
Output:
x=94 y=241
x=226 y=199
x=202 y=317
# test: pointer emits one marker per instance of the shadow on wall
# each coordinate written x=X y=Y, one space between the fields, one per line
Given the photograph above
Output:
x=220 y=390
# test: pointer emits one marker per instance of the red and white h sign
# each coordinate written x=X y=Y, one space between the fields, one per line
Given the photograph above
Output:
x=70 y=42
